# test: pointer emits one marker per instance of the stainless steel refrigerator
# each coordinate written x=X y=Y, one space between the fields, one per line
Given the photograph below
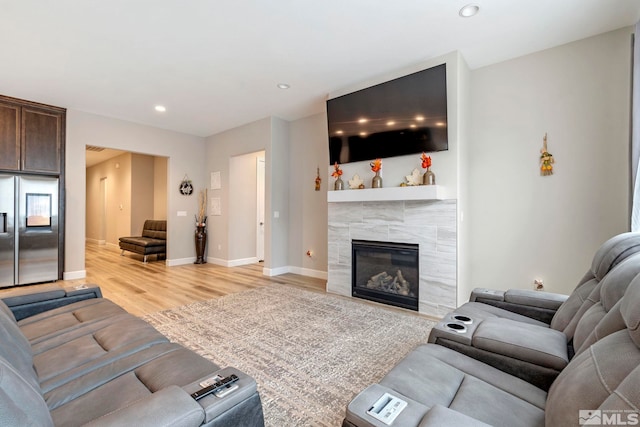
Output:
x=28 y=229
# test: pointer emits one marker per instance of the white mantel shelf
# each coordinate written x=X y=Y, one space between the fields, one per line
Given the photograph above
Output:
x=421 y=192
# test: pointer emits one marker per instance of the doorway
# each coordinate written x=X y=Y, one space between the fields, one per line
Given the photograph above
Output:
x=246 y=230
x=260 y=185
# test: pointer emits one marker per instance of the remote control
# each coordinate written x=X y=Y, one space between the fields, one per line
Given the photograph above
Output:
x=218 y=385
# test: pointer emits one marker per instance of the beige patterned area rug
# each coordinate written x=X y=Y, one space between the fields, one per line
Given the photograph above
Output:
x=309 y=352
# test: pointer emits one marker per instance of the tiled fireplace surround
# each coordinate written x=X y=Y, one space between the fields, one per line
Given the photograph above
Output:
x=429 y=223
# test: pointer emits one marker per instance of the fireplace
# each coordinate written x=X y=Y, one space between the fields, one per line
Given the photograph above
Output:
x=385 y=272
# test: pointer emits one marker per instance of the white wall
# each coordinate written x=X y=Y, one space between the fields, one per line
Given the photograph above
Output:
x=185 y=156
x=271 y=135
x=142 y=191
x=160 y=188
x=309 y=150
x=523 y=226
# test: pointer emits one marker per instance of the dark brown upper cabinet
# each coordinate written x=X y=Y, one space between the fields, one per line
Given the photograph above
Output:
x=9 y=136
x=31 y=136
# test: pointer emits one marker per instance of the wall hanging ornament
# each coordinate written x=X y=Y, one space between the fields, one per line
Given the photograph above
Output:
x=186 y=187
x=318 y=179
x=546 y=159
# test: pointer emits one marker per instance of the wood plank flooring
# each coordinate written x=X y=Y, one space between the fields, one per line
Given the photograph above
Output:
x=146 y=288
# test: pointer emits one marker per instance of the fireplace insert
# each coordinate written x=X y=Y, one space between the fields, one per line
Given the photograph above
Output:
x=385 y=272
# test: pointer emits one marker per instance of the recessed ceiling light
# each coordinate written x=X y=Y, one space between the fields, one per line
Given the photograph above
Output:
x=339 y=132
x=363 y=120
x=363 y=134
x=469 y=10
x=391 y=123
x=440 y=124
x=283 y=86
x=160 y=108
x=420 y=118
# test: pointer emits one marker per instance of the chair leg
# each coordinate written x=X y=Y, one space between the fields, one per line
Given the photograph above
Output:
x=122 y=253
x=144 y=259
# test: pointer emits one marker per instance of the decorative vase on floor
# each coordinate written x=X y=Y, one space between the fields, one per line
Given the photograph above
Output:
x=429 y=178
x=339 y=184
x=201 y=244
x=376 y=182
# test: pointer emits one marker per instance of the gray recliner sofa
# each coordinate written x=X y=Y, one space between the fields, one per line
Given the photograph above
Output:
x=556 y=311
x=89 y=362
x=441 y=387
x=535 y=353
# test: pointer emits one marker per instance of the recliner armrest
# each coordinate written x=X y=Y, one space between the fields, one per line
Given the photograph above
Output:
x=533 y=298
x=485 y=294
x=169 y=407
x=538 y=305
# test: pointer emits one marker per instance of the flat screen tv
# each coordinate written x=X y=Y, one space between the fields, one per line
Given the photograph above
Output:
x=403 y=116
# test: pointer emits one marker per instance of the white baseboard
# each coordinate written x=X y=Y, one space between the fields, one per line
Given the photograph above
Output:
x=179 y=261
x=309 y=272
x=96 y=241
x=275 y=271
x=295 y=270
x=74 y=275
x=233 y=262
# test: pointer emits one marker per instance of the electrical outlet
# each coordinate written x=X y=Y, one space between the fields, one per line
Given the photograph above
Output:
x=538 y=285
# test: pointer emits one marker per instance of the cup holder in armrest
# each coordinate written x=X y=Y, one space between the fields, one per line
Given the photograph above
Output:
x=456 y=327
x=463 y=319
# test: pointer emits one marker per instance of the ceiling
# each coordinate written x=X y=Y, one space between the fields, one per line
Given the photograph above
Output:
x=215 y=64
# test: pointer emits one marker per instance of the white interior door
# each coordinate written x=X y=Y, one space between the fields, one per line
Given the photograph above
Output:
x=260 y=178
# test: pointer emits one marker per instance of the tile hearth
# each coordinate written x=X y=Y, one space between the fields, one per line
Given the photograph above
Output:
x=429 y=223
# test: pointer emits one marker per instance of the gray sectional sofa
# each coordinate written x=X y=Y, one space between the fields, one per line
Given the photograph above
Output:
x=88 y=362
x=483 y=363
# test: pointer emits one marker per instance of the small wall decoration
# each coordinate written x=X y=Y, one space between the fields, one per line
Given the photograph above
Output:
x=318 y=179
x=186 y=187
x=216 y=183
x=546 y=159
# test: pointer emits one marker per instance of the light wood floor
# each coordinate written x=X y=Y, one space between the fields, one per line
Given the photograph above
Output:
x=146 y=288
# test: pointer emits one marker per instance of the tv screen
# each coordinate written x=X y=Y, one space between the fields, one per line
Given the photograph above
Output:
x=403 y=116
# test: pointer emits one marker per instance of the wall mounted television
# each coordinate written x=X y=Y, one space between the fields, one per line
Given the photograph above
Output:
x=403 y=116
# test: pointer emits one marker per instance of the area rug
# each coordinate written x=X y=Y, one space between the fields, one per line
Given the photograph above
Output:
x=309 y=352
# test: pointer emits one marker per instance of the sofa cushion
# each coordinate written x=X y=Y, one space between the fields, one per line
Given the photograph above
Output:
x=143 y=241
x=115 y=340
x=124 y=381
x=63 y=319
x=435 y=375
x=540 y=346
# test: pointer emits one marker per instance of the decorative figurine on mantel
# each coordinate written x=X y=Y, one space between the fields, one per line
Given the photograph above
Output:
x=356 y=182
x=546 y=159
x=376 y=165
x=429 y=178
x=337 y=173
x=414 y=179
